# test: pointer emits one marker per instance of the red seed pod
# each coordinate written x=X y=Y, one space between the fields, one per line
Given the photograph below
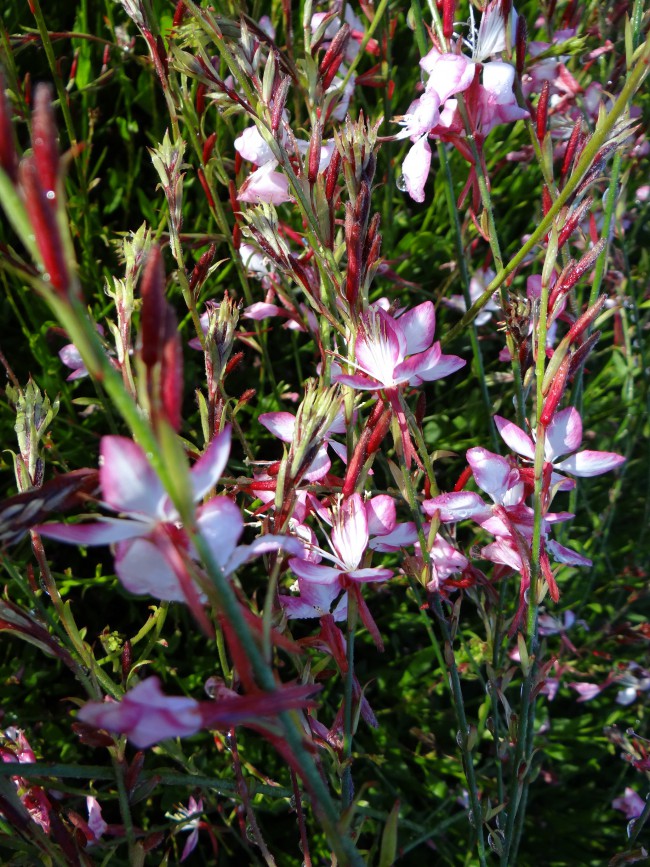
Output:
x=555 y=392
x=8 y=155
x=153 y=314
x=44 y=141
x=353 y=249
x=233 y=363
x=547 y=202
x=448 y=14
x=46 y=231
x=542 y=111
x=355 y=465
x=463 y=479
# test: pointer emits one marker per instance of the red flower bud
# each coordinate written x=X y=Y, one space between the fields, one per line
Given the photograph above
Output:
x=580 y=325
x=448 y=13
x=153 y=314
x=542 y=111
x=46 y=232
x=571 y=147
x=313 y=160
x=555 y=392
x=521 y=34
x=44 y=141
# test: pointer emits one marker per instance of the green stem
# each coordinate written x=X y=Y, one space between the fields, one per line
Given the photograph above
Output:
x=347 y=786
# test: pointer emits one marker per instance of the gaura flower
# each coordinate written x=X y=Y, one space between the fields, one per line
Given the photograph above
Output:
x=391 y=351
x=563 y=437
x=147 y=716
x=150 y=541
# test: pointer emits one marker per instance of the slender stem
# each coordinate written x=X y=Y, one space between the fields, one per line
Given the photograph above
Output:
x=347 y=786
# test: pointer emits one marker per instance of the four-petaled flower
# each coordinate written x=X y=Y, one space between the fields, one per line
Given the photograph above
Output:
x=150 y=541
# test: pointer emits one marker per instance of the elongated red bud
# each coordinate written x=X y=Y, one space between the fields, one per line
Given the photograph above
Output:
x=542 y=111
x=46 y=232
x=381 y=430
x=573 y=221
x=572 y=144
x=580 y=325
x=555 y=392
x=334 y=55
x=580 y=355
x=153 y=314
x=8 y=155
x=171 y=372
x=332 y=175
x=546 y=200
x=179 y=14
x=44 y=141
x=199 y=273
x=313 y=160
x=521 y=35
x=199 y=102
x=448 y=15
x=208 y=147
x=206 y=189
x=279 y=102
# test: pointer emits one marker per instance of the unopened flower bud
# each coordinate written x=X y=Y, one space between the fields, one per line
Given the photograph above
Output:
x=313 y=159
x=556 y=391
x=542 y=111
x=448 y=14
x=46 y=231
x=571 y=147
x=574 y=219
x=580 y=325
x=153 y=313
x=334 y=56
x=44 y=141
x=520 y=44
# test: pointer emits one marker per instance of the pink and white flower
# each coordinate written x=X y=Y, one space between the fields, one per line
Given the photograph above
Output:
x=150 y=541
x=563 y=437
x=391 y=351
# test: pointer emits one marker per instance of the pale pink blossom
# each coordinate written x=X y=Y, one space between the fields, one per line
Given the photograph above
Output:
x=150 y=541
x=631 y=804
x=392 y=351
x=147 y=716
x=563 y=437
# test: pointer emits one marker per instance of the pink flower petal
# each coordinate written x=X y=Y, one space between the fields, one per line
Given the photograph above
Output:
x=209 y=468
x=280 y=424
x=451 y=74
x=381 y=515
x=315 y=600
x=350 y=531
x=314 y=573
x=418 y=326
x=515 y=438
x=358 y=380
x=265 y=185
x=145 y=715
x=145 y=571
x=491 y=472
x=564 y=433
x=128 y=481
x=416 y=367
x=221 y=523
x=415 y=168
x=588 y=463
x=401 y=537
x=444 y=366
x=104 y=532
x=376 y=573
x=456 y=506
x=263 y=545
